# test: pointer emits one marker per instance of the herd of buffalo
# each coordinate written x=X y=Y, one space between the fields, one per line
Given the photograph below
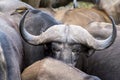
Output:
x=59 y=44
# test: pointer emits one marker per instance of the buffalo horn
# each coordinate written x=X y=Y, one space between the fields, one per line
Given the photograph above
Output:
x=70 y=33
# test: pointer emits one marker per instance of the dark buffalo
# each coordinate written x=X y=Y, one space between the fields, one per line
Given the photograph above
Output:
x=106 y=63
x=12 y=48
x=37 y=18
x=43 y=21
x=67 y=42
x=51 y=69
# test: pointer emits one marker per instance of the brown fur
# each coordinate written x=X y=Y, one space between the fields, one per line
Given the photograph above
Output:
x=81 y=16
x=101 y=30
x=51 y=69
x=58 y=3
x=111 y=7
x=31 y=73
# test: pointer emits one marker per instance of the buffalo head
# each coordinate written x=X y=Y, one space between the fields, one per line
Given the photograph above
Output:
x=67 y=42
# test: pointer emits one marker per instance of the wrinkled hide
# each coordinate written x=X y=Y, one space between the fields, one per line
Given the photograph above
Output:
x=51 y=69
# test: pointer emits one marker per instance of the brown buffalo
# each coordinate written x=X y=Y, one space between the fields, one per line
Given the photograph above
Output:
x=78 y=16
x=51 y=69
x=100 y=29
x=81 y=16
x=112 y=7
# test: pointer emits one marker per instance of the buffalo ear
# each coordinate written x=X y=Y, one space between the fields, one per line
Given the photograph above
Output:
x=90 y=52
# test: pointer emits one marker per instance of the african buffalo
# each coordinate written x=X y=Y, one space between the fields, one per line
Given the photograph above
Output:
x=9 y=6
x=111 y=7
x=78 y=16
x=51 y=69
x=81 y=16
x=43 y=21
x=67 y=42
x=37 y=18
x=12 y=47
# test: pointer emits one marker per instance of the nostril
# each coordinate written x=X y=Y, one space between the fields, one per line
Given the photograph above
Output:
x=92 y=78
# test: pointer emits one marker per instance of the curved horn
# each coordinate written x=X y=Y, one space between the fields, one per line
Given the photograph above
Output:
x=3 y=65
x=47 y=36
x=87 y=39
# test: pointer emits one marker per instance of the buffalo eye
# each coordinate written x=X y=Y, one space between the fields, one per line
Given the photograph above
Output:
x=55 y=49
